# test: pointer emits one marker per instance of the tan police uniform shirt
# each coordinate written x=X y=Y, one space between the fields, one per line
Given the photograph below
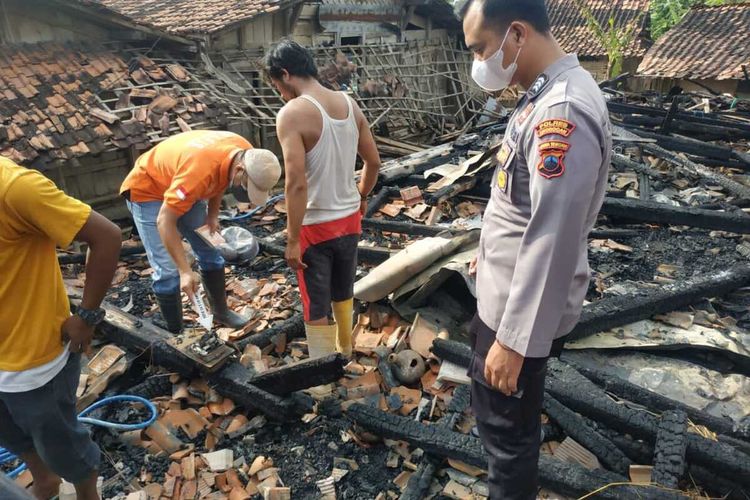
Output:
x=547 y=189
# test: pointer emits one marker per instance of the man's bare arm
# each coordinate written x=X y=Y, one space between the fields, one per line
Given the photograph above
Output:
x=104 y=240
x=295 y=182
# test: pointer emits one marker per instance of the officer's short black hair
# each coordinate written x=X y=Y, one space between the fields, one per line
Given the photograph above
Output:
x=504 y=12
x=290 y=56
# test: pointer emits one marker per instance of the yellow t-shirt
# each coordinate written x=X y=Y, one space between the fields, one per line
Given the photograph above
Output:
x=35 y=216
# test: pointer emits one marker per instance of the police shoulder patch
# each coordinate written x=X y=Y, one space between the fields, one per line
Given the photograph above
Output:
x=552 y=156
x=555 y=126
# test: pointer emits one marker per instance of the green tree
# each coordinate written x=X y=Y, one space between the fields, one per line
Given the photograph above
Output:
x=615 y=39
x=667 y=13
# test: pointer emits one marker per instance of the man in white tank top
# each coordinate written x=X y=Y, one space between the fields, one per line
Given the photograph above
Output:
x=321 y=133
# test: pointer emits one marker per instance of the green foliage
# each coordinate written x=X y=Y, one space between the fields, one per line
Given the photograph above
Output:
x=614 y=39
x=666 y=13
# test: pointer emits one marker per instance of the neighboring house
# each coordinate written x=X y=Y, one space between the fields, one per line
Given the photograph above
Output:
x=572 y=30
x=217 y=24
x=249 y=24
x=80 y=99
x=708 y=49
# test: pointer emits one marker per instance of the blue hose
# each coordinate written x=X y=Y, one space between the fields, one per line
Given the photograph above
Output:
x=255 y=210
x=7 y=456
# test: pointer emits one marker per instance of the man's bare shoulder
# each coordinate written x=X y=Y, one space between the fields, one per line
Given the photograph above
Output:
x=296 y=109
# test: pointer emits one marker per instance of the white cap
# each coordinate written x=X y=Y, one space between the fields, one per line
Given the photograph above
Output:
x=263 y=172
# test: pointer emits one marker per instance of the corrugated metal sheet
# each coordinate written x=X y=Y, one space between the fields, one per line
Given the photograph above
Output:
x=710 y=43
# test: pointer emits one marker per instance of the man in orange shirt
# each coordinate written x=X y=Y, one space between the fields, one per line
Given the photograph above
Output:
x=177 y=187
x=40 y=342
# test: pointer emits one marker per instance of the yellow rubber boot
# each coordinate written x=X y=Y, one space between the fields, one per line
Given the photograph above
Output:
x=321 y=340
x=342 y=313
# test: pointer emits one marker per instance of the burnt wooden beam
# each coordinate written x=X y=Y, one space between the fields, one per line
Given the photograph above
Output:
x=233 y=380
x=423 y=230
x=449 y=192
x=634 y=109
x=698 y=170
x=655 y=401
x=612 y=312
x=623 y=161
x=419 y=484
x=560 y=477
x=692 y=146
x=377 y=201
x=405 y=227
x=605 y=450
x=416 y=163
x=301 y=375
x=580 y=394
x=660 y=213
x=293 y=328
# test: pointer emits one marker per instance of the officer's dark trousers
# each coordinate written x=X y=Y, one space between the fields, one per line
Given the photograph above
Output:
x=509 y=426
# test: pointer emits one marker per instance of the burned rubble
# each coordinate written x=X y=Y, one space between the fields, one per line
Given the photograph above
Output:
x=245 y=413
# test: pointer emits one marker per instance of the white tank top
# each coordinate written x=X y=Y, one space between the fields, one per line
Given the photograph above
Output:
x=331 y=189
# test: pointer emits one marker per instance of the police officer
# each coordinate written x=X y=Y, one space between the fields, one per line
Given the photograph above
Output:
x=532 y=268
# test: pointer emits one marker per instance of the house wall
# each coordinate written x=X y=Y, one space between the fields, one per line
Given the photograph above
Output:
x=96 y=180
x=665 y=84
x=20 y=23
x=255 y=33
x=598 y=66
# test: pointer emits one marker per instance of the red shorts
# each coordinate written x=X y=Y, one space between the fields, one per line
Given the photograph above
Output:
x=329 y=250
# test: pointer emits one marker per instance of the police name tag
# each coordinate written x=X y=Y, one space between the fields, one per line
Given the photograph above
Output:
x=505 y=155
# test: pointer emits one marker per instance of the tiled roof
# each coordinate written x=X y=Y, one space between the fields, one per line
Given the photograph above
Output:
x=185 y=17
x=709 y=43
x=571 y=29
x=59 y=102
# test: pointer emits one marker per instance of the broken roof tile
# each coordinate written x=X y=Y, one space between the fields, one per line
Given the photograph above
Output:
x=188 y=16
x=708 y=43
x=572 y=31
x=51 y=94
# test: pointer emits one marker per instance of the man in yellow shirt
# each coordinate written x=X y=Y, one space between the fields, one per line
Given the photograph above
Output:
x=40 y=341
x=177 y=187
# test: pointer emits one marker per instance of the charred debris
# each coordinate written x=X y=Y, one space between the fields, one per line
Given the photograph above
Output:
x=650 y=399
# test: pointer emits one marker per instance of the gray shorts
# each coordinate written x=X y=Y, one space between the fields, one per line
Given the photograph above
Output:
x=45 y=420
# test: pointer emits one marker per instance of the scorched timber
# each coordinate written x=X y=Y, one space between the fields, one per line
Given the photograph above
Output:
x=655 y=401
x=696 y=169
x=415 y=163
x=583 y=396
x=301 y=375
x=564 y=478
x=422 y=230
x=661 y=213
x=574 y=426
x=234 y=380
x=419 y=483
x=293 y=328
x=617 y=311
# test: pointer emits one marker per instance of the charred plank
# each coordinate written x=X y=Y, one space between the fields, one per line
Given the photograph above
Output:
x=561 y=477
x=293 y=328
x=670 y=448
x=658 y=402
x=581 y=395
x=301 y=375
x=650 y=211
x=606 y=451
x=618 y=311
